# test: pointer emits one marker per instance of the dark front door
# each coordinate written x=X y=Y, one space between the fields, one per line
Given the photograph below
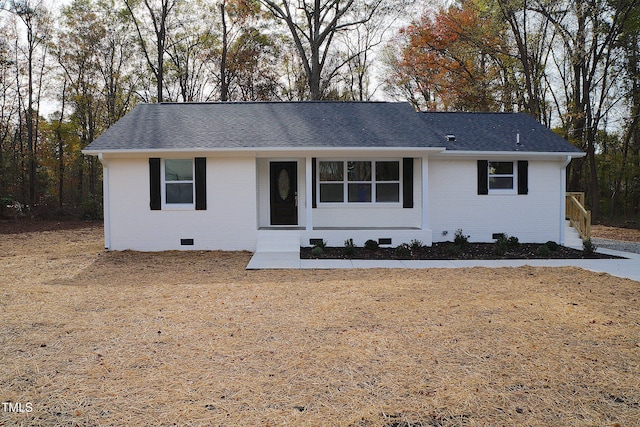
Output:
x=284 y=193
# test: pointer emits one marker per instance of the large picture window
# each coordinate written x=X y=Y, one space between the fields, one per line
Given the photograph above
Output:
x=359 y=181
x=178 y=181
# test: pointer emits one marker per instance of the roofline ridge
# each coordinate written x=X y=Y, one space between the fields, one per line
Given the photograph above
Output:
x=473 y=112
x=322 y=101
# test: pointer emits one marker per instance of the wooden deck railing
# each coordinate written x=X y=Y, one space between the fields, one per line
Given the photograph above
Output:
x=578 y=216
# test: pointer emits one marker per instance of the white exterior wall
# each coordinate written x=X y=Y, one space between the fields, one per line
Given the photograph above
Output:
x=229 y=222
x=238 y=205
x=455 y=204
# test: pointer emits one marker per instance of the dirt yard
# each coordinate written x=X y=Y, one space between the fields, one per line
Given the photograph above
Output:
x=89 y=338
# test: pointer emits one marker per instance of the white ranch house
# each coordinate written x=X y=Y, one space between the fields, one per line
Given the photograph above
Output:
x=233 y=176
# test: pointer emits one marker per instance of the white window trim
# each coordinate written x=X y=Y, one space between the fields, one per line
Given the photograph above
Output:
x=163 y=187
x=345 y=181
x=514 y=175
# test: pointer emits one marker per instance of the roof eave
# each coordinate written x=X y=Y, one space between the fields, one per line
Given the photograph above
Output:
x=510 y=154
x=97 y=152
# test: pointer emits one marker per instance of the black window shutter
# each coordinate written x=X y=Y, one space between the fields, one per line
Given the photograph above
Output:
x=523 y=177
x=201 y=183
x=483 y=177
x=314 y=166
x=154 y=184
x=407 y=182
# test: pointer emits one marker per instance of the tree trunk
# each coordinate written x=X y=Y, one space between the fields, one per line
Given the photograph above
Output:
x=224 y=82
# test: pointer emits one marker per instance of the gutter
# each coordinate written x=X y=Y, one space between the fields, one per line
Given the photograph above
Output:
x=511 y=154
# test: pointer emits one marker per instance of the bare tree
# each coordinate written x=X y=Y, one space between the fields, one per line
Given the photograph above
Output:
x=313 y=25
x=158 y=13
x=590 y=31
x=36 y=22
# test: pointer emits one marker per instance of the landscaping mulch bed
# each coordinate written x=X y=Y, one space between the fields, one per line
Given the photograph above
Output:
x=448 y=250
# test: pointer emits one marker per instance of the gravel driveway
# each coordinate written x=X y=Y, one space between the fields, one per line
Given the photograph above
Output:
x=618 y=245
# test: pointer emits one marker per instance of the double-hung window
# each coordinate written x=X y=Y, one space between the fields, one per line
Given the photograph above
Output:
x=501 y=176
x=178 y=182
x=359 y=181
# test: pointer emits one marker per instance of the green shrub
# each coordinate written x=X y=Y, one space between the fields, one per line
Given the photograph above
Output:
x=544 y=251
x=415 y=245
x=320 y=244
x=317 y=251
x=349 y=247
x=588 y=248
x=454 y=250
x=501 y=245
x=403 y=251
x=460 y=239
x=553 y=246
x=371 y=245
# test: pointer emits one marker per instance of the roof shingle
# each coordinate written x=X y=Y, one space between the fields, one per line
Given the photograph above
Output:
x=268 y=125
x=496 y=132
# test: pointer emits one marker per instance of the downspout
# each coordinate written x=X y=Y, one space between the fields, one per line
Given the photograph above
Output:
x=106 y=202
x=563 y=196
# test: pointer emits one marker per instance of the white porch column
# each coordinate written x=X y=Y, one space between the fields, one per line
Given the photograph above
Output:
x=424 y=170
x=308 y=183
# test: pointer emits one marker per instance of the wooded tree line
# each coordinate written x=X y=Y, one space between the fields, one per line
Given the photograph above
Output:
x=573 y=65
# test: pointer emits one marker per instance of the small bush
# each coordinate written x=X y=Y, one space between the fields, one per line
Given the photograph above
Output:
x=403 y=251
x=503 y=243
x=544 y=251
x=320 y=244
x=317 y=251
x=415 y=245
x=349 y=247
x=553 y=246
x=460 y=239
x=588 y=248
x=454 y=250
x=371 y=245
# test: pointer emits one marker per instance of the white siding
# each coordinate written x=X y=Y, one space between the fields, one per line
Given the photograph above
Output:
x=454 y=204
x=229 y=222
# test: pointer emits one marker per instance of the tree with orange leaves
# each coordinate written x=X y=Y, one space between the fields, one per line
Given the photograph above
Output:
x=453 y=60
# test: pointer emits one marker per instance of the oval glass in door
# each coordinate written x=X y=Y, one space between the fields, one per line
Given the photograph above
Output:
x=284 y=184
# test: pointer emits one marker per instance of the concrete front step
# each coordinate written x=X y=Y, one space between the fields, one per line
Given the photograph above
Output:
x=278 y=241
x=572 y=237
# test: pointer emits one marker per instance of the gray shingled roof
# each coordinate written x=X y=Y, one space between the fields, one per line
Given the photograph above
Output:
x=269 y=125
x=496 y=132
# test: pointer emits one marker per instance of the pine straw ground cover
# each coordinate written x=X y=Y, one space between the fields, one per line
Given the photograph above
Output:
x=95 y=339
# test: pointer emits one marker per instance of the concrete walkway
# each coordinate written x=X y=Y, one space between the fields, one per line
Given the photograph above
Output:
x=625 y=268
